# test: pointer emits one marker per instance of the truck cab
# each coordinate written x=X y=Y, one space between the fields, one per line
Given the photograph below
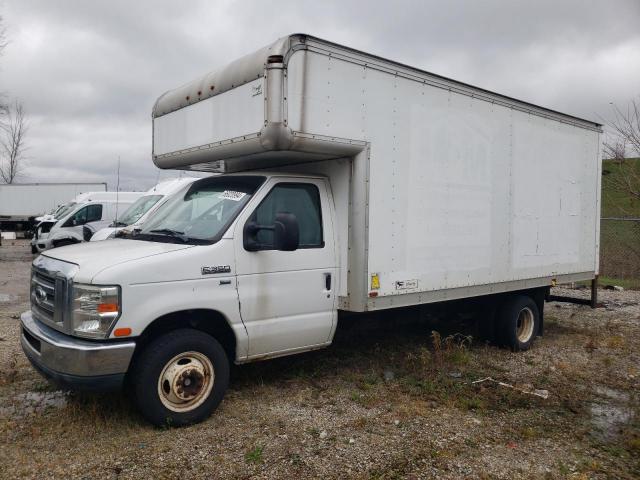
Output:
x=249 y=260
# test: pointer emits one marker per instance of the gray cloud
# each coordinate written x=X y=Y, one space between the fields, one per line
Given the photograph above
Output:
x=89 y=72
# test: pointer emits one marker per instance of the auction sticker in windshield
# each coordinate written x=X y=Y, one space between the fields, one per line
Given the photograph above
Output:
x=232 y=195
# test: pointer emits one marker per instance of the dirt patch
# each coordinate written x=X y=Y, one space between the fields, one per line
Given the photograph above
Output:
x=388 y=400
x=28 y=403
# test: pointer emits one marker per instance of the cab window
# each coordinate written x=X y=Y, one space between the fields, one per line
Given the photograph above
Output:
x=88 y=214
x=301 y=199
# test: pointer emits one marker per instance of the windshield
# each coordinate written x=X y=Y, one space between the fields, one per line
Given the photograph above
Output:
x=63 y=210
x=137 y=210
x=202 y=212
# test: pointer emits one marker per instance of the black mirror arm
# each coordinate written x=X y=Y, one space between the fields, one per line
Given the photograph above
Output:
x=285 y=229
x=250 y=230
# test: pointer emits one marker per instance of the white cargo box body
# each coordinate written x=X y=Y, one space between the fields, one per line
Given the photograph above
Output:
x=25 y=200
x=449 y=191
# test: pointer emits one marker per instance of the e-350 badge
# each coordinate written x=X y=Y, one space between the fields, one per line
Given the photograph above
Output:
x=216 y=269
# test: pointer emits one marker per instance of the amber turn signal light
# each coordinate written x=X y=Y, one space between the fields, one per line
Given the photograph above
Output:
x=122 y=332
x=107 y=307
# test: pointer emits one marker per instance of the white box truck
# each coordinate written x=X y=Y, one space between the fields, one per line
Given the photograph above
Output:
x=350 y=183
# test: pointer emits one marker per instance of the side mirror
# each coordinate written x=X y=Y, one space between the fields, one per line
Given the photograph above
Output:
x=87 y=232
x=286 y=233
x=249 y=237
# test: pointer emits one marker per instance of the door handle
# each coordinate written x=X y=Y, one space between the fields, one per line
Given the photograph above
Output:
x=327 y=282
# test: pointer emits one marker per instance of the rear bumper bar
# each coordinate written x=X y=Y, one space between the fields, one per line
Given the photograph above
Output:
x=74 y=363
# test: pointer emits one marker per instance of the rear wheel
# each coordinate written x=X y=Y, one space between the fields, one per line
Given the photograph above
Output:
x=179 y=378
x=518 y=321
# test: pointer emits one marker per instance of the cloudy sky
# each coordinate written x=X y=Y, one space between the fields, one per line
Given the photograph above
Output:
x=88 y=72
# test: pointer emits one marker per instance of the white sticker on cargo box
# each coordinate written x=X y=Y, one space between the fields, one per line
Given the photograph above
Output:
x=406 y=284
x=232 y=195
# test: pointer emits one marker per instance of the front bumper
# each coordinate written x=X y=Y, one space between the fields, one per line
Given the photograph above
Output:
x=38 y=241
x=74 y=363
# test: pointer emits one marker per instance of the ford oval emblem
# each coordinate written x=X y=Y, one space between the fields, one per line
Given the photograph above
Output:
x=41 y=295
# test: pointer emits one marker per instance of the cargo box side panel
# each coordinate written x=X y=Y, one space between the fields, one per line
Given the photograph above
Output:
x=462 y=192
x=438 y=218
x=25 y=200
x=230 y=115
x=554 y=185
x=325 y=96
x=478 y=194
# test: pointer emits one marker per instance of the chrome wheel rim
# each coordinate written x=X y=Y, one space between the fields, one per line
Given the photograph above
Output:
x=186 y=381
x=524 y=326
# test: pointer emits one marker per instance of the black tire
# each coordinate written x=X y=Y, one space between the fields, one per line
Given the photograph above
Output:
x=517 y=322
x=150 y=363
x=34 y=250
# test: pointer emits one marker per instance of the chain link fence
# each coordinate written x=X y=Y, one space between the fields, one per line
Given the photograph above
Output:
x=620 y=248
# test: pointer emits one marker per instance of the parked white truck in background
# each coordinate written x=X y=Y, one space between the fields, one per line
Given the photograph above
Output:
x=143 y=208
x=20 y=203
x=351 y=183
x=44 y=223
x=88 y=213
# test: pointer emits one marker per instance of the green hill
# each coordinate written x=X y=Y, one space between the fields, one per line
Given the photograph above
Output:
x=616 y=200
x=620 y=239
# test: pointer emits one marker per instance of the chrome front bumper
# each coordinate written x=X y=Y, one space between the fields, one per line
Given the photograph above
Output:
x=72 y=362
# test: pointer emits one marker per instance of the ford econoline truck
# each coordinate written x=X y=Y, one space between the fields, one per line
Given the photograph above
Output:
x=344 y=183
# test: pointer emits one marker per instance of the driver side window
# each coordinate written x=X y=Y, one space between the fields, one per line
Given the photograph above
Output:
x=90 y=213
x=94 y=213
x=301 y=199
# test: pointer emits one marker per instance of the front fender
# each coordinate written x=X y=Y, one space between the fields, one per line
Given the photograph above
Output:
x=142 y=304
x=64 y=235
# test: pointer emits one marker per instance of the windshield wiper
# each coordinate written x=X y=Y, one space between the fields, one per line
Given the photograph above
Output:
x=118 y=224
x=171 y=233
x=137 y=234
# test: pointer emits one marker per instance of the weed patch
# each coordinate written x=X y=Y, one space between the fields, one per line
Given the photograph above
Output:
x=254 y=455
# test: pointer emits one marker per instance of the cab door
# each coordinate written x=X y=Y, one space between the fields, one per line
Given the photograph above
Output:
x=287 y=298
x=87 y=214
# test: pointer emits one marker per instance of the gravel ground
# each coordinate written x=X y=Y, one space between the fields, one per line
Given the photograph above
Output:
x=388 y=400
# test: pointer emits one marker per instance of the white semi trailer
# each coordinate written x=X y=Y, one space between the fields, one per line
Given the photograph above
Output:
x=350 y=183
x=20 y=203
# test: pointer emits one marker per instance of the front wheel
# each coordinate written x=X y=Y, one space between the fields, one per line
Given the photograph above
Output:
x=518 y=321
x=179 y=378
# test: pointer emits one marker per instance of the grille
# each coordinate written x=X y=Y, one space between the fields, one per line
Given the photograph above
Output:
x=47 y=293
x=45 y=227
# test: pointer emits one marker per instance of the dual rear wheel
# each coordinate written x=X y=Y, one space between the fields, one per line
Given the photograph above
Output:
x=517 y=322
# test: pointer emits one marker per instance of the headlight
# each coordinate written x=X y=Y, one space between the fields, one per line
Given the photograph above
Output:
x=95 y=310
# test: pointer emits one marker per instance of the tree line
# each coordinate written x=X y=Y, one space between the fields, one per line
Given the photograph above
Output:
x=13 y=129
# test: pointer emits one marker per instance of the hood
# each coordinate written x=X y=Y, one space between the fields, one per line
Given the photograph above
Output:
x=93 y=257
x=103 y=234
